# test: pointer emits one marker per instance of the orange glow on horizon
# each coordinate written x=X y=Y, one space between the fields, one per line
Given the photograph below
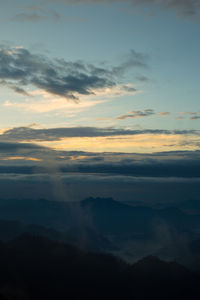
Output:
x=141 y=143
x=21 y=158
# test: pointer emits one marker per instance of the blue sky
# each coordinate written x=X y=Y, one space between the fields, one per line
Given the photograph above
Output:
x=160 y=90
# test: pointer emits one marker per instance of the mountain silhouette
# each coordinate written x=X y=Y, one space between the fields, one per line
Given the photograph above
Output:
x=34 y=267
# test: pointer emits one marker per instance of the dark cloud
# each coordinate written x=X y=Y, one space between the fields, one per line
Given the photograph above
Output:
x=79 y=186
x=151 y=182
x=157 y=177
x=27 y=133
x=18 y=147
x=154 y=169
x=157 y=165
x=19 y=69
x=23 y=153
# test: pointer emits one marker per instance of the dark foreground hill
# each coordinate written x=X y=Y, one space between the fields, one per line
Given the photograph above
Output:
x=33 y=267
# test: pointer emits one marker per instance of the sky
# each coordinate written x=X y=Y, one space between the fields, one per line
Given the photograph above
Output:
x=94 y=85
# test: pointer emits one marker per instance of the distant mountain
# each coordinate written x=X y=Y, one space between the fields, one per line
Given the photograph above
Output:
x=112 y=217
x=42 y=212
x=104 y=214
x=38 y=268
x=105 y=225
x=82 y=237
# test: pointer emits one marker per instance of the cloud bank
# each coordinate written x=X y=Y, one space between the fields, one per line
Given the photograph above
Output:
x=52 y=134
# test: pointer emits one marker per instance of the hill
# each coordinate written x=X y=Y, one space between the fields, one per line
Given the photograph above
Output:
x=34 y=267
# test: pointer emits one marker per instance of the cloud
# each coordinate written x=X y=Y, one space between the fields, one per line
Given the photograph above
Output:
x=105 y=139
x=43 y=102
x=158 y=169
x=18 y=147
x=162 y=177
x=189 y=113
x=15 y=88
x=150 y=191
x=35 y=17
x=134 y=59
x=154 y=169
x=22 y=70
x=35 y=13
x=133 y=114
x=142 y=78
x=194 y=117
x=185 y=8
x=137 y=114
x=108 y=139
x=180 y=118
x=172 y=164
x=52 y=104
x=103 y=119
x=163 y=113
x=15 y=151
x=21 y=158
x=52 y=134
x=38 y=13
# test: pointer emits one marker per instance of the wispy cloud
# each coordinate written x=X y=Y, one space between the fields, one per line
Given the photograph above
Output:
x=185 y=8
x=142 y=78
x=44 y=102
x=35 y=16
x=49 y=103
x=163 y=113
x=195 y=115
x=137 y=114
x=133 y=114
x=180 y=118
